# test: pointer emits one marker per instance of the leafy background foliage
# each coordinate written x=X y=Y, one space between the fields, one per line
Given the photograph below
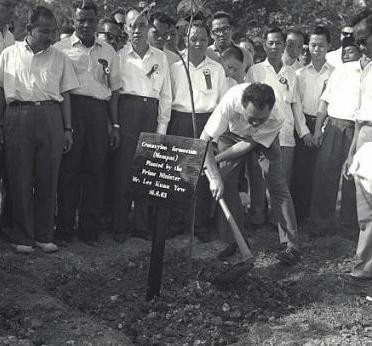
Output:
x=249 y=15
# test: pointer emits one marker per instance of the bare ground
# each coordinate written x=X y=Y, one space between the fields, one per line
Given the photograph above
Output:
x=96 y=296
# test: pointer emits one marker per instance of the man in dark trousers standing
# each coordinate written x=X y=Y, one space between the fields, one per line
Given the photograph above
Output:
x=35 y=79
x=144 y=105
x=93 y=103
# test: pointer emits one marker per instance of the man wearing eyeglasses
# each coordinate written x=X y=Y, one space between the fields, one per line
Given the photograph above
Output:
x=334 y=57
x=293 y=48
x=221 y=32
x=109 y=31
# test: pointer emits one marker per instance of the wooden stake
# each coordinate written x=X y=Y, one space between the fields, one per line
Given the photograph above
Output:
x=157 y=253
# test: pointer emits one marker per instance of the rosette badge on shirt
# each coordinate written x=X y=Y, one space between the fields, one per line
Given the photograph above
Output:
x=105 y=66
x=208 y=79
x=154 y=71
x=106 y=70
x=284 y=81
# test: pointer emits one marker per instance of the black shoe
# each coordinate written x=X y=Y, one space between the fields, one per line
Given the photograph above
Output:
x=120 y=238
x=227 y=252
x=234 y=273
x=289 y=256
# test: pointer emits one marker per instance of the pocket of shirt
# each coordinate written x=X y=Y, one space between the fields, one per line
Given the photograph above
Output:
x=157 y=82
x=51 y=82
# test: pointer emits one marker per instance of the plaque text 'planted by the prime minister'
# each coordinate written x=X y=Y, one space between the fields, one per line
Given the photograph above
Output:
x=166 y=169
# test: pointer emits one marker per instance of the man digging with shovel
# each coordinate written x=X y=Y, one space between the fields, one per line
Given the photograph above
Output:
x=243 y=122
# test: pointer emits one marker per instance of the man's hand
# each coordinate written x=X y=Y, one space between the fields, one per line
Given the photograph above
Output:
x=346 y=167
x=308 y=140
x=216 y=186
x=318 y=138
x=114 y=138
x=69 y=141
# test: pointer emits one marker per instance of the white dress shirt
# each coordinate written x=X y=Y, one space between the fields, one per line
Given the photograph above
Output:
x=6 y=39
x=311 y=85
x=206 y=97
x=284 y=84
x=296 y=65
x=229 y=115
x=44 y=76
x=342 y=91
x=171 y=56
x=334 y=57
x=93 y=80
x=365 y=98
x=147 y=77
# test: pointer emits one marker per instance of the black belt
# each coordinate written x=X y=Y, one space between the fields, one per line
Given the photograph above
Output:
x=310 y=117
x=364 y=123
x=337 y=121
x=32 y=103
x=141 y=98
x=188 y=115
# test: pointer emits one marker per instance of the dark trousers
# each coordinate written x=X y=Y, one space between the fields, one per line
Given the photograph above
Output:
x=33 y=146
x=303 y=173
x=181 y=125
x=274 y=176
x=136 y=115
x=332 y=154
x=81 y=180
x=257 y=189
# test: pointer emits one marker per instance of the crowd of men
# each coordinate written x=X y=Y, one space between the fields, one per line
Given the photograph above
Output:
x=285 y=119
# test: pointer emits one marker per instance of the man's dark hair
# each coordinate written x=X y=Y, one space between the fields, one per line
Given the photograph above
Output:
x=67 y=29
x=274 y=30
x=349 y=42
x=85 y=5
x=235 y=52
x=259 y=94
x=201 y=25
x=245 y=38
x=162 y=18
x=323 y=31
x=294 y=31
x=119 y=10
x=106 y=20
x=36 y=13
x=221 y=15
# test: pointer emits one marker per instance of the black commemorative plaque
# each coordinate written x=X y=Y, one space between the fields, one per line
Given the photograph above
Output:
x=165 y=173
x=166 y=169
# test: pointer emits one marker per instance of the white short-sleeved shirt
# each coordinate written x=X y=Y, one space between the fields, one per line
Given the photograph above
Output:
x=93 y=80
x=229 y=116
x=335 y=57
x=43 y=76
x=296 y=65
x=147 y=77
x=171 y=56
x=365 y=98
x=342 y=91
x=311 y=85
x=6 y=39
x=206 y=96
x=284 y=85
